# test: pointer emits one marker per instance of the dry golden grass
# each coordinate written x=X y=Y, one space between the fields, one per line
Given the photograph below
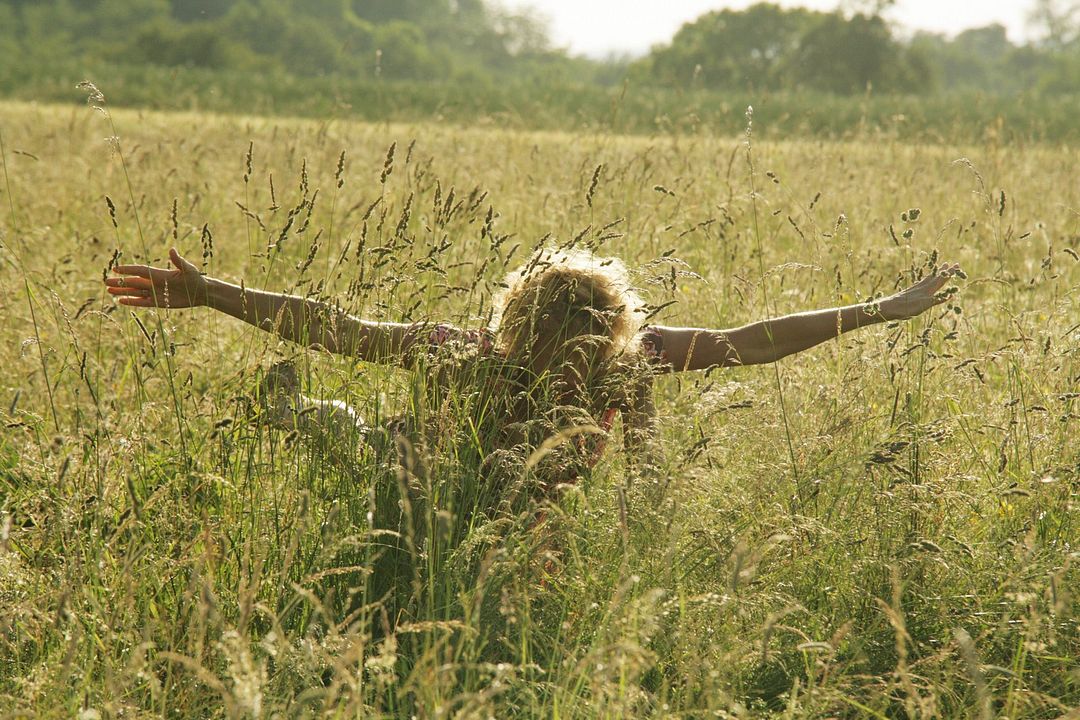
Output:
x=910 y=551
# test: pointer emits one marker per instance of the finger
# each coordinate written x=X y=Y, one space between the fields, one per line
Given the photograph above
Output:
x=145 y=271
x=126 y=291
x=953 y=270
x=137 y=270
x=135 y=282
x=181 y=263
x=137 y=302
x=164 y=275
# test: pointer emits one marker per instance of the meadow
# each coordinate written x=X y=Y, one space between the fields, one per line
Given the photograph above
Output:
x=885 y=526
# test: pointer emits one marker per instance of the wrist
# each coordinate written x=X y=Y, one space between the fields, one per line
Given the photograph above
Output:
x=867 y=313
x=882 y=310
x=218 y=293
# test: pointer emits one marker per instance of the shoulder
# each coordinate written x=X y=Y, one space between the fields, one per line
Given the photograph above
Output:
x=443 y=334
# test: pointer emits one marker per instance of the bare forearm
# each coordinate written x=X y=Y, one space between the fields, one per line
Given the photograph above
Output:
x=764 y=341
x=307 y=321
x=297 y=319
x=769 y=340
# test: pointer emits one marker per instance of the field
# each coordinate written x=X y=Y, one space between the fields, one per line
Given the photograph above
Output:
x=885 y=526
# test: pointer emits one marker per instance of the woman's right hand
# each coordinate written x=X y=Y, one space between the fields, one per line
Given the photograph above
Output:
x=180 y=286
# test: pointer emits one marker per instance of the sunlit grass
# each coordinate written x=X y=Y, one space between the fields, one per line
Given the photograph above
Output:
x=898 y=538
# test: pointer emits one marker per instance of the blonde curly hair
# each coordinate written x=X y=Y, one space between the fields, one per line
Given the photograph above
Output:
x=560 y=295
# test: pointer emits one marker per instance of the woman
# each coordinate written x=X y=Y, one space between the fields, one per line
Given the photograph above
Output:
x=504 y=415
x=566 y=334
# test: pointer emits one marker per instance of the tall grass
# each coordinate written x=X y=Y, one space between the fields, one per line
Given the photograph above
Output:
x=253 y=571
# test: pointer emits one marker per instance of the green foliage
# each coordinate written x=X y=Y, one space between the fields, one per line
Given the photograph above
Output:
x=767 y=47
x=189 y=11
x=470 y=60
x=197 y=45
x=420 y=39
x=984 y=58
x=402 y=53
x=733 y=49
x=1058 y=22
x=852 y=55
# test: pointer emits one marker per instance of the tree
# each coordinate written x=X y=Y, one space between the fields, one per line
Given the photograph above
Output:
x=870 y=8
x=418 y=12
x=112 y=21
x=403 y=53
x=728 y=48
x=768 y=47
x=1057 y=22
x=853 y=55
x=193 y=45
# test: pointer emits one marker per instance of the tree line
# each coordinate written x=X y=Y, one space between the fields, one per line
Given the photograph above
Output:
x=388 y=39
x=477 y=44
x=766 y=47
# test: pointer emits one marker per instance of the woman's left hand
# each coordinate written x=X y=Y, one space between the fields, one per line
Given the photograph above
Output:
x=921 y=296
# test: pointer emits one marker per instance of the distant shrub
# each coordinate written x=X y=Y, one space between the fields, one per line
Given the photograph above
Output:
x=201 y=45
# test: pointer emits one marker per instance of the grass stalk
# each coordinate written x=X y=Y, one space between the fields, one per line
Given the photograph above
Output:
x=754 y=216
x=28 y=293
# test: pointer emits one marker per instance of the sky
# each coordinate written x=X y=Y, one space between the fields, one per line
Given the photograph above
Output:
x=601 y=27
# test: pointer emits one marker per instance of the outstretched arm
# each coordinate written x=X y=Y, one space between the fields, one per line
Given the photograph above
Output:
x=301 y=320
x=767 y=341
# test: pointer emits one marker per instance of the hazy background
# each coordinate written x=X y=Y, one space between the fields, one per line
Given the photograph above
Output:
x=936 y=70
x=599 y=28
